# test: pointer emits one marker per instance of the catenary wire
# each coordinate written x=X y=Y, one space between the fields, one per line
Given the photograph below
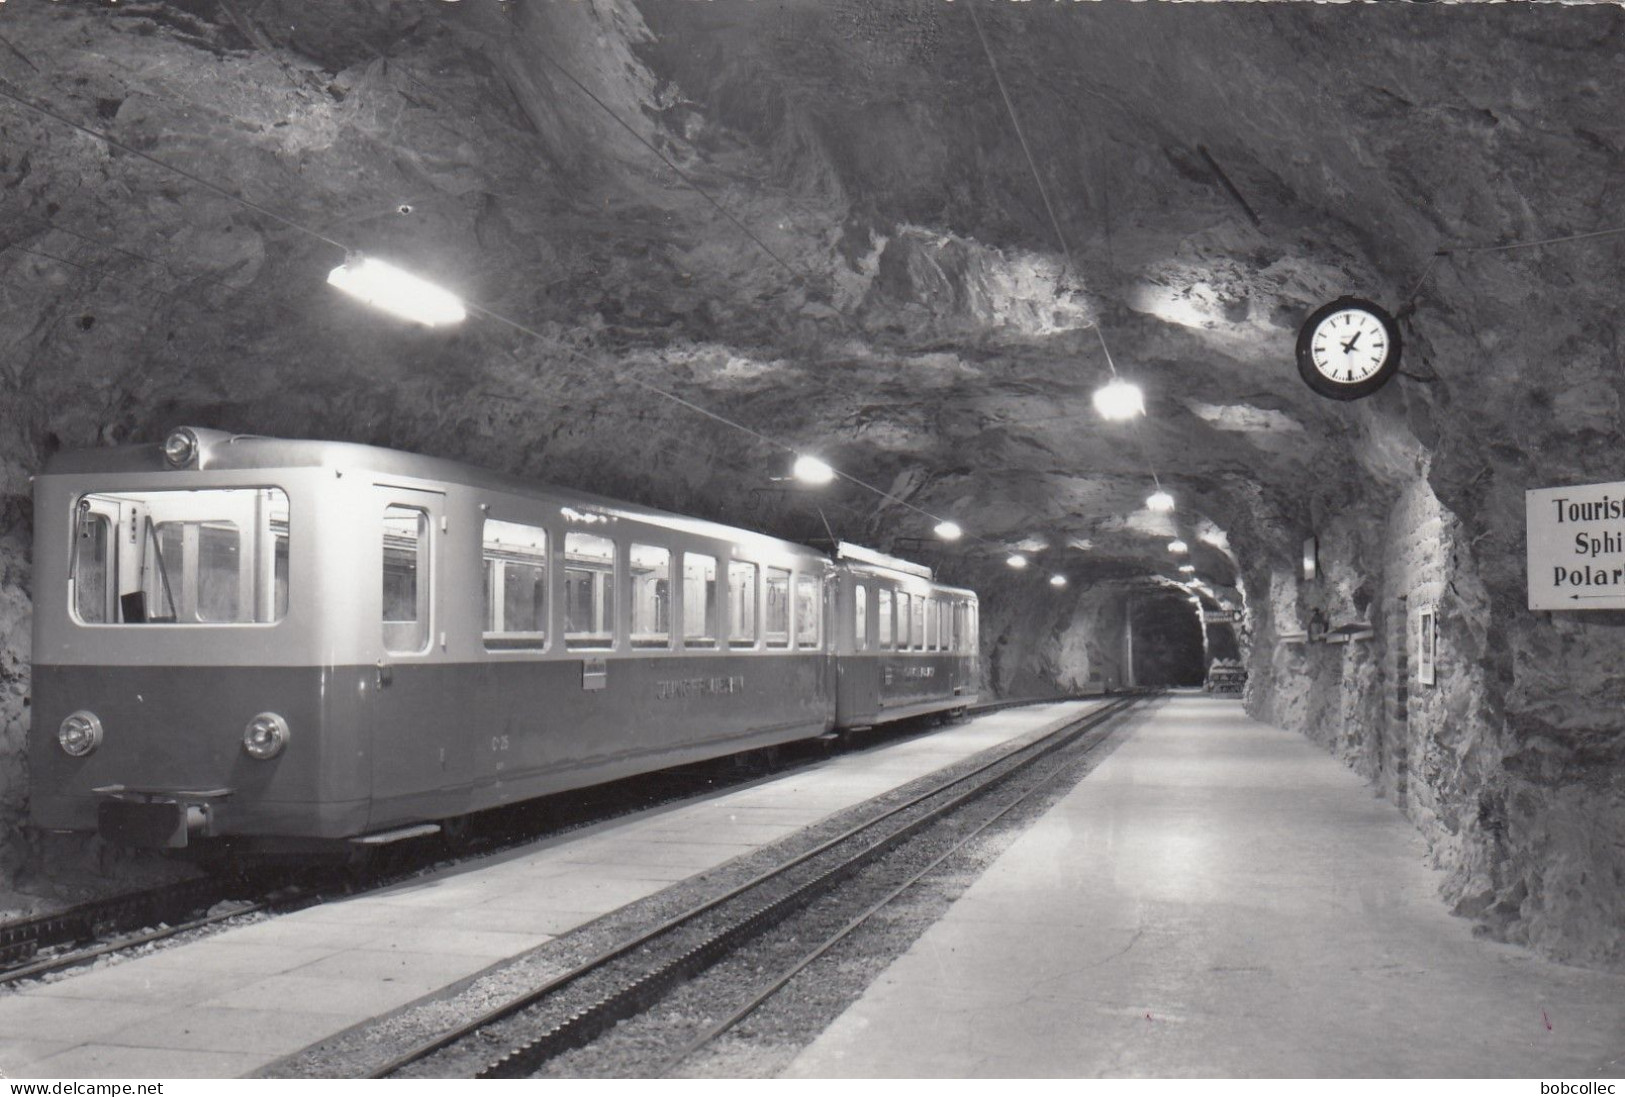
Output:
x=473 y=307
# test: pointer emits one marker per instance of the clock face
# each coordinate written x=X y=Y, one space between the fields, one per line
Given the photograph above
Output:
x=1349 y=345
x=1348 y=349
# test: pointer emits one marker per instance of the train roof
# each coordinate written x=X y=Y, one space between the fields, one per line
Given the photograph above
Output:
x=219 y=451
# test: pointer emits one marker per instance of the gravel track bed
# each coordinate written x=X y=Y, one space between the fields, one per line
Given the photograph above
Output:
x=364 y=1047
x=768 y=1039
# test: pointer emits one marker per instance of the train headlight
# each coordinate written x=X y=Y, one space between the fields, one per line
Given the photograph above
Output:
x=80 y=733
x=180 y=448
x=265 y=736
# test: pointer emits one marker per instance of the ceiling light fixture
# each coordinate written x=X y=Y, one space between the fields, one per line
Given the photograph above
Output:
x=1159 y=502
x=1187 y=568
x=1057 y=580
x=810 y=470
x=1178 y=548
x=1118 y=399
x=396 y=292
x=948 y=531
x=1016 y=560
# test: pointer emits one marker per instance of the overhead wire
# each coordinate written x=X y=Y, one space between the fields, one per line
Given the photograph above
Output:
x=482 y=310
x=1032 y=165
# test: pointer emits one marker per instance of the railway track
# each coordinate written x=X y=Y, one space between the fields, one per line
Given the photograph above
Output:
x=59 y=941
x=626 y=984
x=31 y=947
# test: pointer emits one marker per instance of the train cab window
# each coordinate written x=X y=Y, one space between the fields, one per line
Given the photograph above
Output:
x=809 y=606
x=860 y=616
x=189 y=557
x=776 y=628
x=699 y=600
x=91 y=561
x=515 y=560
x=917 y=629
x=741 y=604
x=651 y=596
x=589 y=591
x=883 y=609
x=406 y=579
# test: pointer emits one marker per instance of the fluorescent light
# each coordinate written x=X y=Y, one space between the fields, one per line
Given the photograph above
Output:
x=1159 y=502
x=1178 y=547
x=1057 y=580
x=948 y=531
x=1017 y=560
x=810 y=470
x=1187 y=568
x=1119 y=400
x=396 y=292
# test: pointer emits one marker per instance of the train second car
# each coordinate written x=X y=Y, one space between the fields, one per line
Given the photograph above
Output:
x=281 y=644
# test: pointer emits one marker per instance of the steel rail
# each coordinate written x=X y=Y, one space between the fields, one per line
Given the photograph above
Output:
x=855 y=923
x=574 y=1028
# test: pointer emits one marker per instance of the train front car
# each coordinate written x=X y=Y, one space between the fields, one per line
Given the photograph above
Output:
x=182 y=672
x=904 y=644
x=274 y=644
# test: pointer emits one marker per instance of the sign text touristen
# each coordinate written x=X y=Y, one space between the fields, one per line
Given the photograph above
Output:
x=1576 y=538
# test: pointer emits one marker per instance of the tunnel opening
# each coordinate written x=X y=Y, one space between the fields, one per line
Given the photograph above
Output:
x=1168 y=647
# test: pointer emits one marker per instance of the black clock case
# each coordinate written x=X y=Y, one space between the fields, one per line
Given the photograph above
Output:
x=1354 y=390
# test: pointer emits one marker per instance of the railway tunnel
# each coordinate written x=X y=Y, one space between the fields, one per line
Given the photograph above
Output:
x=1266 y=345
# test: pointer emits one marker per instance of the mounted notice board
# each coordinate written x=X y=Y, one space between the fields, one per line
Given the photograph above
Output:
x=1576 y=546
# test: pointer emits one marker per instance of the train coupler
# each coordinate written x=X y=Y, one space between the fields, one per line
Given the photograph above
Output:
x=149 y=818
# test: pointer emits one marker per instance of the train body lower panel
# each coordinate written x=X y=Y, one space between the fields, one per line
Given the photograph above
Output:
x=377 y=747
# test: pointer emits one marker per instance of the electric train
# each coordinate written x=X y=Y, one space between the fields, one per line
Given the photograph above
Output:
x=275 y=645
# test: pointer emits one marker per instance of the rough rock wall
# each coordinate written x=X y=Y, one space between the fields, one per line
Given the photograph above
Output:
x=1533 y=857
x=1038 y=642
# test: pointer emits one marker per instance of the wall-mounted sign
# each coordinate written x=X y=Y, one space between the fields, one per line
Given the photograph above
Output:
x=1220 y=616
x=1576 y=539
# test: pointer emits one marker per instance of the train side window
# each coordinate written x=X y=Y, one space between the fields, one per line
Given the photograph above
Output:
x=917 y=633
x=699 y=600
x=945 y=616
x=883 y=610
x=589 y=591
x=741 y=604
x=515 y=559
x=931 y=624
x=809 y=606
x=904 y=617
x=92 y=569
x=776 y=629
x=406 y=579
x=860 y=616
x=651 y=596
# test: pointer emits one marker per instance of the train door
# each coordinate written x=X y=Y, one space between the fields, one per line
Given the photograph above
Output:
x=419 y=742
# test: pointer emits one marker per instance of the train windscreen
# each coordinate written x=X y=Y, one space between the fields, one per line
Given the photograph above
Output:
x=203 y=557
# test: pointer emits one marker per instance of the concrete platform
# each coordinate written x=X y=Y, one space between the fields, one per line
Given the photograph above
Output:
x=1220 y=898
x=237 y=1001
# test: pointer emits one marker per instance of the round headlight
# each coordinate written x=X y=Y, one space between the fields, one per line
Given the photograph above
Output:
x=80 y=733
x=180 y=448
x=265 y=736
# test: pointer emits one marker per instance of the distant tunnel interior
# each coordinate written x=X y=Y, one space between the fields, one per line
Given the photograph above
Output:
x=1167 y=641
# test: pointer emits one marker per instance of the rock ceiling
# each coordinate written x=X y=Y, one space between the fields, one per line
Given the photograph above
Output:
x=817 y=219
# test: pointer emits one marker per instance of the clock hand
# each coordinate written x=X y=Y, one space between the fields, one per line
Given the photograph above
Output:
x=1348 y=347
